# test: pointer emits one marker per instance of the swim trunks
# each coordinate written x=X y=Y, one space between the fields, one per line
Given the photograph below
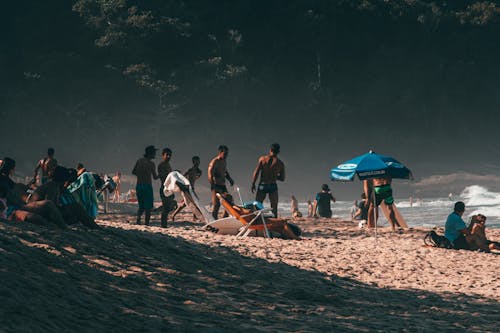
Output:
x=384 y=192
x=145 y=196
x=219 y=188
x=268 y=188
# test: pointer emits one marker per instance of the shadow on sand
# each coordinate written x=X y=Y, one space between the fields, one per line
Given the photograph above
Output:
x=129 y=280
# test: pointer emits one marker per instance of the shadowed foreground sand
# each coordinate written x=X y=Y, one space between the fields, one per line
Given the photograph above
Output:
x=182 y=279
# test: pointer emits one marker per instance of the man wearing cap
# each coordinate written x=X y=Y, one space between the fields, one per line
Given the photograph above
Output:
x=145 y=171
x=168 y=203
x=217 y=175
x=271 y=169
x=322 y=202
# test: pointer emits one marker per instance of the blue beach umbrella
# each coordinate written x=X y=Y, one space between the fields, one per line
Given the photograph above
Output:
x=370 y=165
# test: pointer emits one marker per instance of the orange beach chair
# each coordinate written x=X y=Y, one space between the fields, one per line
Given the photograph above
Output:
x=255 y=221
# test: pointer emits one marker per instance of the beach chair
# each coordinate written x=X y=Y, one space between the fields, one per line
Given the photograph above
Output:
x=255 y=221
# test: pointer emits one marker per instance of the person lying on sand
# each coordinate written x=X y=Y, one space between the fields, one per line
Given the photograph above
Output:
x=477 y=239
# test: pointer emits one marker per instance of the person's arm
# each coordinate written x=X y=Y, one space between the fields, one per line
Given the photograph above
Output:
x=256 y=173
x=333 y=198
x=228 y=177
x=366 y=190
x=38 y=166
x=210 y=173
x=281 y=174
x=358 y=213
x=315 y=208
x=134 y=170
x=153 y=171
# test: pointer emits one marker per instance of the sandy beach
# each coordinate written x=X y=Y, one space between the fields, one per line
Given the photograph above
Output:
x=126 y=277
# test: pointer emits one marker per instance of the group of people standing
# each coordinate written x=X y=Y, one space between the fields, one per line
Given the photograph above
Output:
x=268 y=171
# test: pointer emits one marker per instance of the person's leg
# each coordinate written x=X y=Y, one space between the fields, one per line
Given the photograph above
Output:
x=392 y=217
x=168 y=204
x=461 y=243
x=215 y=204
x=147 y=216
x=371 y=218
x=178 y=210
x=79 y=214
x=139 y=215
x=25 y=216
x=48 y=210
x=273 y=198
x=260 y=196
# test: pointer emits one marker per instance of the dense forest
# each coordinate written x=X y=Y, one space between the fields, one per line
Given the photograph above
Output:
x=101 y=79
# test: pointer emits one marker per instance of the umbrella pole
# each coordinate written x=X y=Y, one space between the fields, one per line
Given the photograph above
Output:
x=375 y=213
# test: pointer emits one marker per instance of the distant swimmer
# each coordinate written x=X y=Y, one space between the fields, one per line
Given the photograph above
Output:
x=47 y=166
x=271 y=169
x=383 y=192
x=450 y=196
x=217 y=175
x=145 y=170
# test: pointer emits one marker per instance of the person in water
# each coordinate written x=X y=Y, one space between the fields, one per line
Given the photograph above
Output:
x=271 y=169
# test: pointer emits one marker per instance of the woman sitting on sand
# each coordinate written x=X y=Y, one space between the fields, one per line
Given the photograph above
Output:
x=42 y=212
x=477 y=239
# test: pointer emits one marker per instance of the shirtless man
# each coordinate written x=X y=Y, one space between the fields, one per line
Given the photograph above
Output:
x=47 y=165
x=217 y=175
x=145 y=169
x=383 y=191
x=271 y=169
x=117 y=178
x=168 y=203
x=192 y=175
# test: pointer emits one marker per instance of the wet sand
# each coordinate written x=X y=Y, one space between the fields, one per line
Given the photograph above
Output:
x=183 y=279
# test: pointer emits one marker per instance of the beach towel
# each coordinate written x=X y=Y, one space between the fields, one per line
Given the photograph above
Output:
x=84 y=192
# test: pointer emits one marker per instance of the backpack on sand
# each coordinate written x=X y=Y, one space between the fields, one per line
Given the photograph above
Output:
x=435 y=240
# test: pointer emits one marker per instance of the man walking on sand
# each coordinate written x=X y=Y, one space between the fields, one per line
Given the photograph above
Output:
x=271 y=169
x=168 y=203
x=145 y=170
x=217 y=175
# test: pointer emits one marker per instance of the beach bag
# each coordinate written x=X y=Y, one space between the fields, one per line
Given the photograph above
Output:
x=435 y=240
x=99 y=182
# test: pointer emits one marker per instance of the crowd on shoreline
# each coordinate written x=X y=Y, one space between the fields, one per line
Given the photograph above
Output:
x=62 y=196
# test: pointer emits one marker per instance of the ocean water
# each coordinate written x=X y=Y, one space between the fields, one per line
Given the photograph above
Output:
x=427 y=212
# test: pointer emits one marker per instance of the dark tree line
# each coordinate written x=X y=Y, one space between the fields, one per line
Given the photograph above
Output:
x=331 y=73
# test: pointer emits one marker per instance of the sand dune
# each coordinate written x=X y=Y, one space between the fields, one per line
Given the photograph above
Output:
x=183 y=279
